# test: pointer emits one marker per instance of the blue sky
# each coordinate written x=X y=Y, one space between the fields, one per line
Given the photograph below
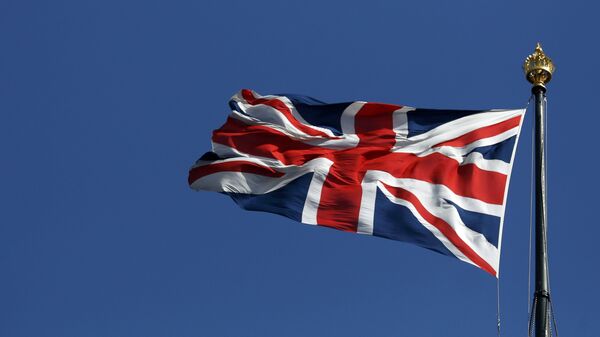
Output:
x=104 y=106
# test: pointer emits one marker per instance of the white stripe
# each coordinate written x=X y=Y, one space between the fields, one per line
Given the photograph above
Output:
x=458 y=153
x=254 y=160
x=313 y=197
x=400 y=122
x=226 y=151
x=451 y=130
x=249 y=183
x=301 y=119
x=419 y=186
x=494 y=165
x=273 y=115
x=341 y=142
x=366 y=213
x=348 y=117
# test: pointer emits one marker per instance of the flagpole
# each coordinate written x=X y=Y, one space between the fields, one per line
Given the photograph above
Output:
x=538 y=70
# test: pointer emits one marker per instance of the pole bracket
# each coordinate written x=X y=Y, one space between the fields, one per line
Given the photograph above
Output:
x=542 y=293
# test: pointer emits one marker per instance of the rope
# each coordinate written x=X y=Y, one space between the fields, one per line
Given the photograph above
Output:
x=531 y=324
x=498 y=301
x=553 y=319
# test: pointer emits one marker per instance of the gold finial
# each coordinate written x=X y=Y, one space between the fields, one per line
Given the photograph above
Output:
x=538 y=67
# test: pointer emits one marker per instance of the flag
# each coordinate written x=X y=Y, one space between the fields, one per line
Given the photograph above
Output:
x=434 y=178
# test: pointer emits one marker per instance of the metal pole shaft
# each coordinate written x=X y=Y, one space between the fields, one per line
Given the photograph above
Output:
x=542 y=295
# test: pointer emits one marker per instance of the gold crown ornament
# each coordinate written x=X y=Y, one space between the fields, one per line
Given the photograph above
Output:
x=538 y=67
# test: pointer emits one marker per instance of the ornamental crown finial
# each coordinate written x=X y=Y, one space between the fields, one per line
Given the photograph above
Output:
x=538 y=67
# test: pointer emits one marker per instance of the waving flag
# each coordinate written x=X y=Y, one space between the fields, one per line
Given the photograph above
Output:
x=434 y=178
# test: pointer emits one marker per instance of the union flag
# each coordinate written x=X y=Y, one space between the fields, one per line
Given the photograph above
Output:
x=434 y=178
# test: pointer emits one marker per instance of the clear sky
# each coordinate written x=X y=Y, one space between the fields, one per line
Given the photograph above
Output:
x=104 y=105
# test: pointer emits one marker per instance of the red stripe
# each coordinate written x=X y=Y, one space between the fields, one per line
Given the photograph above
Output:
x=485 y=132
x=341 y=195
x=232 y=166
x=443 y=227
x=375 y=127
x=266 y=142
x=283 y=108
x=342 y=192
x=465 y=180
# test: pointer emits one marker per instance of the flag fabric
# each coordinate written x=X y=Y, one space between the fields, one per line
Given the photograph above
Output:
x=434 y=178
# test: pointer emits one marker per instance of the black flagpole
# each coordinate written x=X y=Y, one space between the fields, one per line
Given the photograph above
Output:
x=538 y=69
